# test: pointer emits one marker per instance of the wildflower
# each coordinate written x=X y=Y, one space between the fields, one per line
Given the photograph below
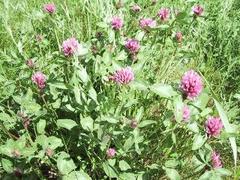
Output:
x=136 y=8
x=25 y=119
x=197 y=10
x=213 y=126
x=49 y=8
x=123 y=76
x=132 y=45
x=26 y=122
x=16 y=153
x=18 y=172
x=186 y=113
x=117 y=23
x=94 y=49
x=179 y=37
x=49 y=152
x=191 y=84
x=164 y=14
x=216 y=160
x=147 y=23
x=133 y=124
x=70 y=46
x=39 y=79
x=30 y=63
x=111 y=152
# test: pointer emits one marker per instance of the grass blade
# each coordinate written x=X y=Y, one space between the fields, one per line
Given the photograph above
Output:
x=227 y=127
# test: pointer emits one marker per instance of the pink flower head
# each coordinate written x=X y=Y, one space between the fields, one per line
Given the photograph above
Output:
x=179 y=37
x=70 y=46
x=133 y=46
x=136 y=8
x=123 y=76
x=216 y=160
x=213 y=126
x=164 y=14
x=186 y=113
x=49 y=8
x=117 y=23
x=197 y=10
x=191 y=84
x=146 y=23
x=39 y=79
x=111 y=152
